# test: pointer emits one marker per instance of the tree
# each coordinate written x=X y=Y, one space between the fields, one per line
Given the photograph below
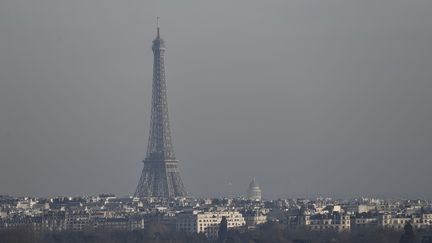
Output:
x=408 y=236
x=223 y=229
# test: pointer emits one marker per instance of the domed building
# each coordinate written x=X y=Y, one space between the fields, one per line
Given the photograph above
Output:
x=254 y=191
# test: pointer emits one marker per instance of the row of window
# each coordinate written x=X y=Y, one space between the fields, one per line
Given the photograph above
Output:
x=215 y=220
x=330 y=222
x=329 y=227
x=402 y=221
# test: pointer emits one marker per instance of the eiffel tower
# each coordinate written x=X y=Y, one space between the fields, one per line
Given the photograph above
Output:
x=160 y=176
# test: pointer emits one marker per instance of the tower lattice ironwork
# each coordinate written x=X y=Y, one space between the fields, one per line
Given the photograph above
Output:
x=160 y=176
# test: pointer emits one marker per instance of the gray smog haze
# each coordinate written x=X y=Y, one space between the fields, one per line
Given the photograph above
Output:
x=310 y=97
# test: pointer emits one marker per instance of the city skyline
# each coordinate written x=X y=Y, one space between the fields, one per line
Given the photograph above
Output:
x=311 y=98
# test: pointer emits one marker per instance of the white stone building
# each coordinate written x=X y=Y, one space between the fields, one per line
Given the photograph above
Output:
x=337 y=222
x=208 y=222
x=397 y=222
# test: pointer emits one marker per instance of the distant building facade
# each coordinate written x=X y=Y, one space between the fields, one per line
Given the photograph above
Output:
x=208 y=222
x=254 y=218
x=80 y=221
x=336 y=222
x=398 y=222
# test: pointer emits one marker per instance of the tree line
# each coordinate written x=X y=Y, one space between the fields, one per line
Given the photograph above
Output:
x=269 y=232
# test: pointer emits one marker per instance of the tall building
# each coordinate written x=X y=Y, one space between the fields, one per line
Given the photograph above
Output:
x=254 y=191
x=160 y=176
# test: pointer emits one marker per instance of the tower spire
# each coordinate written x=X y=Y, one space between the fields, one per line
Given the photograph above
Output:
x=157 y=25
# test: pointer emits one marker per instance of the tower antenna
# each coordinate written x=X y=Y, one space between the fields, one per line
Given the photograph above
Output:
x=157 y=25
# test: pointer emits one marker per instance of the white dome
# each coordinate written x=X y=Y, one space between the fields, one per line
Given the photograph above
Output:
x=254 y=191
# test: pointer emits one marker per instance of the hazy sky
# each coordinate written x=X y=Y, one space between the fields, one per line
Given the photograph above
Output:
x=311 y=97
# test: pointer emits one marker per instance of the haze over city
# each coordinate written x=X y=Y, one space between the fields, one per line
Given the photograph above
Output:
x=311 y=98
